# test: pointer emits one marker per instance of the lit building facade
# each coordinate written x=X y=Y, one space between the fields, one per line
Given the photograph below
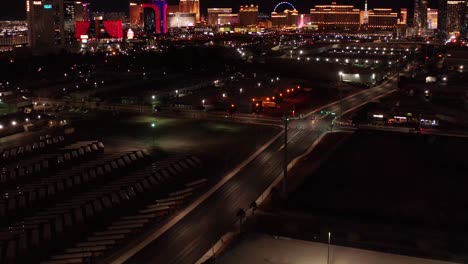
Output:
x=213 y=14
x=432 y=15
x=289 y=18
x=181 y=20
x=190 y=6
x=382 y=19
x=335 y=17
x=173 y=9
x=442 y=18
x=404 y=16
x=99 y=28
x=45 y=23
x=455 y=15
x=303 y=20
x=228 y=19
x=74 y=11
x=420 y=16
x=464 y=32
x=248 y=15
x=136 y=15
x=81 y=11
x=10 y=42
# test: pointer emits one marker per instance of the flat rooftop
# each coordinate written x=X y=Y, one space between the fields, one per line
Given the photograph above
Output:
x=257 y=249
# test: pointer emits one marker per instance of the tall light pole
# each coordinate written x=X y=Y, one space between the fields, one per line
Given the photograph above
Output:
x=153 y=127
x=285 y=171
x=328 y=253
x=339 y=93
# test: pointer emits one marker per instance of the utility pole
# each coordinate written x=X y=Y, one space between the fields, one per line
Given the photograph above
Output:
x=285 y=172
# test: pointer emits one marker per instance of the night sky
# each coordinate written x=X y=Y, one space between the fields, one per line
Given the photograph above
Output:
x=15 y=9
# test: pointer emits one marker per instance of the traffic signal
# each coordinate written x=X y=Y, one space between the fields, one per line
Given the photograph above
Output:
x=232 y=108
x=257 y=107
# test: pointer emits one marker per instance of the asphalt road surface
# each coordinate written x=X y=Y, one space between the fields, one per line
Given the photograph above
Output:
x=195 y=234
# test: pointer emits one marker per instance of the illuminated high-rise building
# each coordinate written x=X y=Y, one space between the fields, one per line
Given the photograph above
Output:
x=173 y=9
x=382 y=19
x=180 y=20
x=366 y=14
x=442 y=18
x=213 y=14
x=248 y=15
x=136 y=15
x=155 y=17
x=432 y=18
x=404 y=16
x=455 y=15
x=73 y=11
x=464 y=31
x=420 y=16
x=289 y=18
x=228 y=19
x=330 y=17
x=190 y=6
x=45 y=23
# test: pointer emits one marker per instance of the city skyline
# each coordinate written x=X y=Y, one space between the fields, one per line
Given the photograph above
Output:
x=15 y=10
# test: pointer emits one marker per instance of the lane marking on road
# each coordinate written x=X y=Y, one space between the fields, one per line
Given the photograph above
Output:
x=373 y=98
x=290 y=139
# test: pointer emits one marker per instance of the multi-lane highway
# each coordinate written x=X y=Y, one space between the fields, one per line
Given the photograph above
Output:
x=193 y=235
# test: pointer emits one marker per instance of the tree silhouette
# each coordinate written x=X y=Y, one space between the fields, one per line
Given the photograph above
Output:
x=254 y=207
x=241 y=215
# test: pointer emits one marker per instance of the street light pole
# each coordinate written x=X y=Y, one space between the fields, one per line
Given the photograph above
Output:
x=340 y=94
x=153 y=126
x=285 y=172
x=328 y=253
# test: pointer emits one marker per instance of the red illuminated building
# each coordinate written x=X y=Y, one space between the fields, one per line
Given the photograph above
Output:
x=155 y=20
